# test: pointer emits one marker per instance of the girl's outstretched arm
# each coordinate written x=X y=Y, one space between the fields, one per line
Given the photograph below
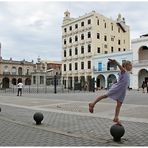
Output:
x=113 y=61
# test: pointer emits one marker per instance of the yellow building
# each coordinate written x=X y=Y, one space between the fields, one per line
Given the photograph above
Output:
x=86 y=36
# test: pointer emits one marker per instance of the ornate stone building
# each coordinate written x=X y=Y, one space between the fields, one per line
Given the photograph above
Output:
x=11 y=72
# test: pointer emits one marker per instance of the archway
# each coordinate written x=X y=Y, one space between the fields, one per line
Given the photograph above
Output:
x=110 y=80
x=100 y=82
x=28 y=81
x=5 y=83
x=142 y=76
x=143 y=53
x=14 y=81
x=19 y=80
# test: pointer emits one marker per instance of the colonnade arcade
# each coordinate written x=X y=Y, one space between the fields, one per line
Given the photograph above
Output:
x=9 y=82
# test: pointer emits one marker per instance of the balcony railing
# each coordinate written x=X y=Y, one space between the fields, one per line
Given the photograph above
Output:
x=95 y=70
x=6 y=73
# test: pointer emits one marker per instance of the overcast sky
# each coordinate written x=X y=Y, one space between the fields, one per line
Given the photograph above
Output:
x=32 y=29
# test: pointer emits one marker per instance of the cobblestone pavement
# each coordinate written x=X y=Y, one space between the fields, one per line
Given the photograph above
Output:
x=67 y=122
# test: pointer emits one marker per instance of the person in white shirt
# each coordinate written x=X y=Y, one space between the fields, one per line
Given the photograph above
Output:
x=19 y=86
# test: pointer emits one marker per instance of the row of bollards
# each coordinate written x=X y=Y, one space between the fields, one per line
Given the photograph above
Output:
x=116 y=130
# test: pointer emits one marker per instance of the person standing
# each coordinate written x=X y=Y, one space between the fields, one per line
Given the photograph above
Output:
x=147 y=86
x=143 y=86
x=19 y=86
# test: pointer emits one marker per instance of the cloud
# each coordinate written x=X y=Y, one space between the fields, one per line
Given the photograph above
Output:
x=32 y=29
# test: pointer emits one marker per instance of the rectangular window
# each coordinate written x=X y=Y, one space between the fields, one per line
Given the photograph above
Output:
x=97 y=22
x=34 y=79
x=89 y=34
x=70 y=52
x=69 y=66
x=64 y=53
x=98 y=50
x=41 y=79
x=112 y=49
x=118 y=42
x=89 y=48
x=82 y=24
x=64 y=67
x=82 y=65
x=89 y=21
x=76 y=51
x=82 y=49
x=76 y=66
x=76 y=26
x=27 y=72
x=70 y=28
x=104 y=25
x=89 y=64
x=99 y=66
x=65 y=30
x=98 y=35
x=64 y=41
x=105 y=38
x=112 y=27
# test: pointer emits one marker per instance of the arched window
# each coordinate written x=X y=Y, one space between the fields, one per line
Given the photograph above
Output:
x=13 y=70
x=20 y=71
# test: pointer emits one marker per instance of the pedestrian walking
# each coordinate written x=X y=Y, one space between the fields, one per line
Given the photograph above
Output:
x=19 y=86
x=117 y=91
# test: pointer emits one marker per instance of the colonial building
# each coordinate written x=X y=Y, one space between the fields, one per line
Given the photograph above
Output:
x=87 y=36
x=106 y=74
x=140 y=60
x=11 y=72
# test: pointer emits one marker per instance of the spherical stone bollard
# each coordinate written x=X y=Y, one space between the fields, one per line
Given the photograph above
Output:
x=117 y=131
x=38 y=117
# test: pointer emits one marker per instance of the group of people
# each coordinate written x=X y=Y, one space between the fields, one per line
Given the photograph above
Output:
x=145 y=85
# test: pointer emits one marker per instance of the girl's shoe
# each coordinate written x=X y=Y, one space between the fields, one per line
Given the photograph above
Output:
x=91 y=108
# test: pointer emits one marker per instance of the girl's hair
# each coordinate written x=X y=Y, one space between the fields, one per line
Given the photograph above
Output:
x=126 y=63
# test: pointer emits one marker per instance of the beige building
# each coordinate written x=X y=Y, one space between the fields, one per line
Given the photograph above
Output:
x=87 y=36
x=11 y=72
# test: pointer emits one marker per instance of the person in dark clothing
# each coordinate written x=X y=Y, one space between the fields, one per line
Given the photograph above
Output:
x=143 y=86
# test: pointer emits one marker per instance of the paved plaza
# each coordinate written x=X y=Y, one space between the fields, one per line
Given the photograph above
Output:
x=67 y=121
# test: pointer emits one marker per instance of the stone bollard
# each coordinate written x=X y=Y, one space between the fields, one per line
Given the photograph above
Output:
x=38 y=117
x=117 y=131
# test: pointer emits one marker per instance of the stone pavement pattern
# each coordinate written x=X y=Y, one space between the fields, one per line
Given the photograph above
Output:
x=64 y=124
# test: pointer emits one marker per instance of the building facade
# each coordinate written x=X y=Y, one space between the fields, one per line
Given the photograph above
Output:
x=87 y=36
x=106 y=74
x=11 y=72
x=45 y=71
x=140 y=60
